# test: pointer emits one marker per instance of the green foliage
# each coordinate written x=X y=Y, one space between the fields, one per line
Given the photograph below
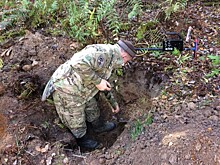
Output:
x=26 y=91
x=137 y=129
x=40 y=12
x=176 y=52
x=136 y=8
x=11 y=34
x=8 y=18
x=45 y=124
x=83 y=20
x=25 y=4
x=80 y=19
x=180 y=58
x=215 y=62
x=172 y=6
x=215 y=59
x=107 y=12
x=149 y=119
x=125 y=26
x=139 y=125
x=154 y=35
x=84 y=25
x=143 y=28
x=119 y=72
x=156 y=54
x=183 y=58
x=214 y=72
x=33 y=14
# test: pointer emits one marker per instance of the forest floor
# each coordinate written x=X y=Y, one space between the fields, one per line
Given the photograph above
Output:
x=170 y=107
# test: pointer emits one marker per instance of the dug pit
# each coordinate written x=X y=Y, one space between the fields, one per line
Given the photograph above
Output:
x=134 y=90
x=35 y=122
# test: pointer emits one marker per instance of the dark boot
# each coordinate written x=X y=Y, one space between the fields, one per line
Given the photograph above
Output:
x=101 y=126
x=87 y=142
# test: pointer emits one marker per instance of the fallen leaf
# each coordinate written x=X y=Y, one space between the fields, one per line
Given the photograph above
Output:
x=45 y=149
x=37 y=148
x=74 y=45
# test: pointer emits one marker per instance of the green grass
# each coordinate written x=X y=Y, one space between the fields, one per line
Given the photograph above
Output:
x=139 y=125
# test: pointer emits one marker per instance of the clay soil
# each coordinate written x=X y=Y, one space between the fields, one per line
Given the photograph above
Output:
x=166 y=118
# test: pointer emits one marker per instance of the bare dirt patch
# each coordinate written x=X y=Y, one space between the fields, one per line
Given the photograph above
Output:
x=3 y=125
x=185 y=128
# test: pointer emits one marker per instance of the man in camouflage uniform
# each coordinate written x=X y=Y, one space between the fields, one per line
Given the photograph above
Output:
x=75 y=83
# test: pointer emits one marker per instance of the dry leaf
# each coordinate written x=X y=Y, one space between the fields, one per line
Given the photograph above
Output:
x=45 y=149
x=74 y=45
x=37 y=148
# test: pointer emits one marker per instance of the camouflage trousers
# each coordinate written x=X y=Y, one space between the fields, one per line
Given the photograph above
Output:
x=74 y=115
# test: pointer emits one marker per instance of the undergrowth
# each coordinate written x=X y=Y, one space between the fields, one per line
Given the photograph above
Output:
x=82 y=20
x=139 y=125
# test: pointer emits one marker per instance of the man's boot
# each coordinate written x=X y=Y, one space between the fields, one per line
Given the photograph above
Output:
x=87 y=142
x=101 y=126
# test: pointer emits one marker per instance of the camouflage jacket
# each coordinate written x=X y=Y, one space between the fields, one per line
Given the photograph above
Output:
x=79 y=75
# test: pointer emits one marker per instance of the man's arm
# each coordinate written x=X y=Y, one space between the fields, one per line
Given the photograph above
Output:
x=110 y=97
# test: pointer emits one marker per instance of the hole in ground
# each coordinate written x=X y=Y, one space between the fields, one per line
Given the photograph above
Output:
x=136 y=86
x=139 y=86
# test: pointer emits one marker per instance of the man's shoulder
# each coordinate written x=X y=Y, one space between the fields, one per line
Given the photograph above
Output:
x=100 y=47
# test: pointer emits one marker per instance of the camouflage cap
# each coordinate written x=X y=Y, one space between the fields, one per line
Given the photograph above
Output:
x=128 y=47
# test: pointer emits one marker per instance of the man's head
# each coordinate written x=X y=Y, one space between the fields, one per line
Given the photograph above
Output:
x=127 y=50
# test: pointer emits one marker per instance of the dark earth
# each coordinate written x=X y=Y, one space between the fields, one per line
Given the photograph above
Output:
x=170 y=113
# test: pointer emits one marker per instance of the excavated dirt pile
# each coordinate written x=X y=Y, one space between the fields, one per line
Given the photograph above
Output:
x=169 y=114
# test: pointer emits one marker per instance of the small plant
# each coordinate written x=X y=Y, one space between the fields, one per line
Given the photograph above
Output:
x=156 y=54
x=136 y=9
x=85 y=19
x=214 y=72
x=26 y=91
x=19 y=146
x=144 y=28
x=149 y=119
x=119 y=72
x=215 y=66
x=108 y=16
x=180 y=58
x=164 y=92
x=45 y=125
x=59 y=124
x=139 y=125
x=172 y=6
x=176 y=52
x=215 y=59
x=137 y=129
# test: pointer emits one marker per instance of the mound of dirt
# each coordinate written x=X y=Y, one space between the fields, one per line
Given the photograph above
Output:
x=178 y=127
x=188 y=135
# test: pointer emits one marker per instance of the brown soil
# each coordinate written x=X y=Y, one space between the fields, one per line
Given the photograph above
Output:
x=3 y=125
x=185 y=128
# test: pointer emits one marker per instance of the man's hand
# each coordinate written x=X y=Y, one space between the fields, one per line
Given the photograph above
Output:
x=104 y=85
x=116 y=110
